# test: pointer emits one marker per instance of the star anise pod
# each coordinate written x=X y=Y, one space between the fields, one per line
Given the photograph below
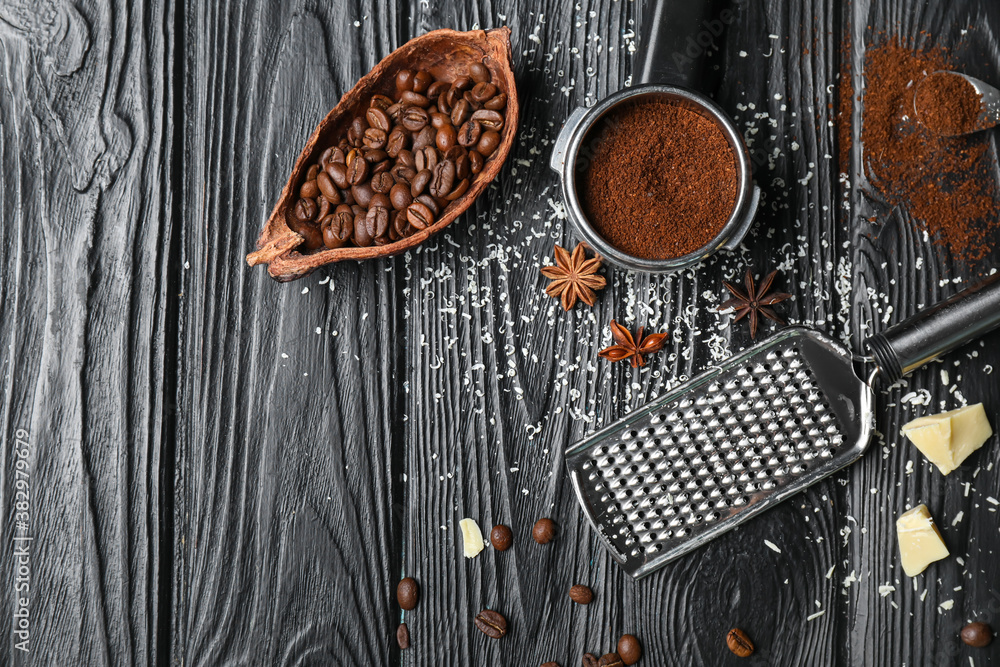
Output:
x=630 y=348
x=574 y=277
x=755 y=301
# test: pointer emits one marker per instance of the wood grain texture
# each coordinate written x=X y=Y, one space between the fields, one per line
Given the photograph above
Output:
x=85 y=223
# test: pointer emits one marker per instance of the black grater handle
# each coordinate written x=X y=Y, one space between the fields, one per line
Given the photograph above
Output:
x=966 y=316
x=675 y=39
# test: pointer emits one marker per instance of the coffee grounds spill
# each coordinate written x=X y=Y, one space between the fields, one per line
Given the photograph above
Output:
x=661 y=180
x=948 y=104
x=945 y=184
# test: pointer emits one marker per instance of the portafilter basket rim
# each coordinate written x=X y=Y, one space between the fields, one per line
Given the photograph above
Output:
x=740 y=217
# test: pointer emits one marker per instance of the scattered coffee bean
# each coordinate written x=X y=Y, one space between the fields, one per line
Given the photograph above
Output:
x=610 y=660
x=408 y=591
x=739 y=643
x=977 y=634
x=629 y=649
x=590 y=660
x=403 y=636
x=581 y=594
x=501 y=537
x=491 y=624
x=544 y=531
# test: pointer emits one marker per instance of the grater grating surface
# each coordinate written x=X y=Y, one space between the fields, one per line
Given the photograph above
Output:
x=721 y=448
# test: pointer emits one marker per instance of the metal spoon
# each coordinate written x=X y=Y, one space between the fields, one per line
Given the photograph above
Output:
x=990 y=114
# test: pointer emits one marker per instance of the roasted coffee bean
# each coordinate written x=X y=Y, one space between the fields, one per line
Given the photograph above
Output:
x=309 y=190
x=378 y=222
x=443 y=180
x=400 y=196
x=305 y=210
x=412 y=99
x=407 y=593
x=446 y=138
x=589 y=660
x=467 y=96
x=460 y=113
x=425 y=158
x=413 y=119
x=739 y=643
x=610 y=660
x=312 y=172
x=501 y=537
x=420 y=182
x=380 y=199
x=469 y=133
x=479 y=72
x=490 y=120
x=404 y=80
x=550 y=664
x=375 y=155
x=394 y=111
x=382 y=102
x=357 y=171
x=435 y=89
x=429 y=202
x=488 y=142
x=338 y=228
x=491 y=623
x=496 y=103
x=476 y=161
x=448 y=100
x=378 y=119
x=405 y=158
x=422 y=81
x=337 y=156
x=458 y=190
x=382 y=182
x=338 y=172
x=629 y=649
x=323 y=159
x=463 y=169
x=424 y=138
x=348 y=197
x=397 y=141
x=362 y=193
x=361 y=237
x=439 y=120
x=324 y=206
x=327 y=187
x=977 y=634
x=543 y=531
x=463 y=82
x=312 y=234
x=403 y=174
x=419 y=215
x=483 y=91
x=375 y=138
x=403 y=636
x=581 y=594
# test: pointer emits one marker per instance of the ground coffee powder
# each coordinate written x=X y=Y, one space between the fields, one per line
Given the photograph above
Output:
x=948 y=104
x=661 y=180
x=945 y=184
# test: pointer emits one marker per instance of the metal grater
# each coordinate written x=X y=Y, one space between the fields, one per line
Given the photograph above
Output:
x=722 y=448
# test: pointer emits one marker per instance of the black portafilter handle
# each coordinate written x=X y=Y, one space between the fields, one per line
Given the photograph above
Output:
x=675 y=37
x=966 y=316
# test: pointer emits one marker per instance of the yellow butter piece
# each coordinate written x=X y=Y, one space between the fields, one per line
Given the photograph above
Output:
x=948 y=438
x=920 y=542
x=472 y=538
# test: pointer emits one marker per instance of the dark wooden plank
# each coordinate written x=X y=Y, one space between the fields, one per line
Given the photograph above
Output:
x=85 y=238
x=286 y=549
x=904 y=272
x=504 y=381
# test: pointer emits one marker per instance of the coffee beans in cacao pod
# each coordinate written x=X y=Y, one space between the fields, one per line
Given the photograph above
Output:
x=491 y=623
x=629 y=649
x=739 y=643
x=977 y=634
x=581 y=594
x=501 y=537
x=407 y=593
x=610 y=660
x=544 y=531
x=432 y=138
x=403 y=636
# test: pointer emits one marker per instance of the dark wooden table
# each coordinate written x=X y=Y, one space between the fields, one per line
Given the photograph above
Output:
x=229 y=471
